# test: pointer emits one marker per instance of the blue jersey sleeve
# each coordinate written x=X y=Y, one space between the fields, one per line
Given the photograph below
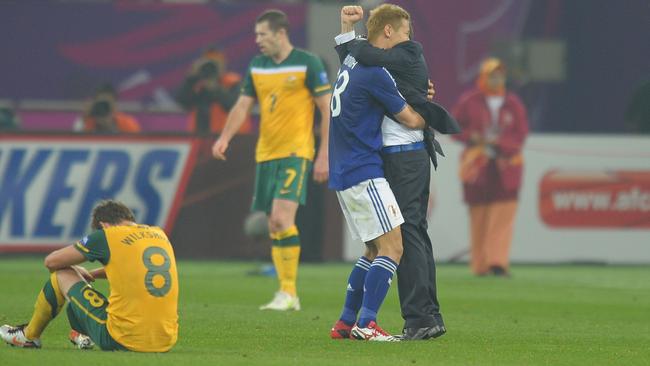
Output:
x=383 y=88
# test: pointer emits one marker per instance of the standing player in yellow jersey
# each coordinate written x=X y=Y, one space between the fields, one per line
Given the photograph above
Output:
x=287 y=83
x=138 y=262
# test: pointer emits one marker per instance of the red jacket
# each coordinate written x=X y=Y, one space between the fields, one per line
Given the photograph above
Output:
x=488 y=179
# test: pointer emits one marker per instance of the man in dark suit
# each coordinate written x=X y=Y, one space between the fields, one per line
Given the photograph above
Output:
x=406 y=63
x=407 y=169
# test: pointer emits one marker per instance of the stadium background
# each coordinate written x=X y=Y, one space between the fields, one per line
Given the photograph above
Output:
x=576 y=65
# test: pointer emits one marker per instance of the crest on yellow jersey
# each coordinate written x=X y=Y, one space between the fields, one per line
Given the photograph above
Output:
x=291 y=79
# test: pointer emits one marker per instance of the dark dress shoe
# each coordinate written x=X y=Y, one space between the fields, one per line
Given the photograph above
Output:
x=412 y=334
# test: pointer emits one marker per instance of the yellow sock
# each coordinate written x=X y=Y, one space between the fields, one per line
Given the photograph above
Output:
x=286 y=256
x=49 y=303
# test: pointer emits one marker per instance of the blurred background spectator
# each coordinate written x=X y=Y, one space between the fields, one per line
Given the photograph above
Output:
x=494 y=126
x=102 y=116
x=208 y=92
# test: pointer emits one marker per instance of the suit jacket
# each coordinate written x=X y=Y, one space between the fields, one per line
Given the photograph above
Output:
x=408 y=67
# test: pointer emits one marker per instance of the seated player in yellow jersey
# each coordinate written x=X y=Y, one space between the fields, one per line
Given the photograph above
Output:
x=138 y=261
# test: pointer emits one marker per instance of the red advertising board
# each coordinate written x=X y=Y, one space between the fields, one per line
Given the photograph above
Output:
x=595 y=199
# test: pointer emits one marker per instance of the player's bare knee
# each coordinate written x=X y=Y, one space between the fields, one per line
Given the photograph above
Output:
x=397 y=251
x=283 y=215
x=279 y=222
x=275 y=223
x=390 y=245
x=370 y=252
x=392 y=249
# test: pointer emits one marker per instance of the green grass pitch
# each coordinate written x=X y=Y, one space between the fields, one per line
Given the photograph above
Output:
x=544 y=315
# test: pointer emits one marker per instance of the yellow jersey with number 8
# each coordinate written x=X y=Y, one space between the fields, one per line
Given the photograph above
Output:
x=141 y=271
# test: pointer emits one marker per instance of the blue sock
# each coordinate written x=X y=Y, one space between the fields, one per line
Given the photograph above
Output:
x=376 y=287
x=354 y=294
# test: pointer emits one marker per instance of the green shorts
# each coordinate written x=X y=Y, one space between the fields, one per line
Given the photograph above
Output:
x=87 y=315
x=285 y=178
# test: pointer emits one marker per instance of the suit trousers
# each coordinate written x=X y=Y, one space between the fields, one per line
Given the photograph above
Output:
x=409 y=176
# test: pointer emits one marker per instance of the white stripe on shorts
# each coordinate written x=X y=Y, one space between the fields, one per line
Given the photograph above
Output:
x=373 y=188
x=378 y=209
x=370 y=209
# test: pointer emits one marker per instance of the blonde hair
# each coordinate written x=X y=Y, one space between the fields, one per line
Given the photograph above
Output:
x=385 y=14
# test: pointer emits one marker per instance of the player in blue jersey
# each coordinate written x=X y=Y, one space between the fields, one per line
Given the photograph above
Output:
x=406 y=156
x=361 y=97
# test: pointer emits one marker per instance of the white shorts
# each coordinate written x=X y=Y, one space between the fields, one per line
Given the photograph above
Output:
x=370 y=209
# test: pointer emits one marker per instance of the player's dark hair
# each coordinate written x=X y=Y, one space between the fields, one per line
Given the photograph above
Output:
x=277 y=20
x=111 y=212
